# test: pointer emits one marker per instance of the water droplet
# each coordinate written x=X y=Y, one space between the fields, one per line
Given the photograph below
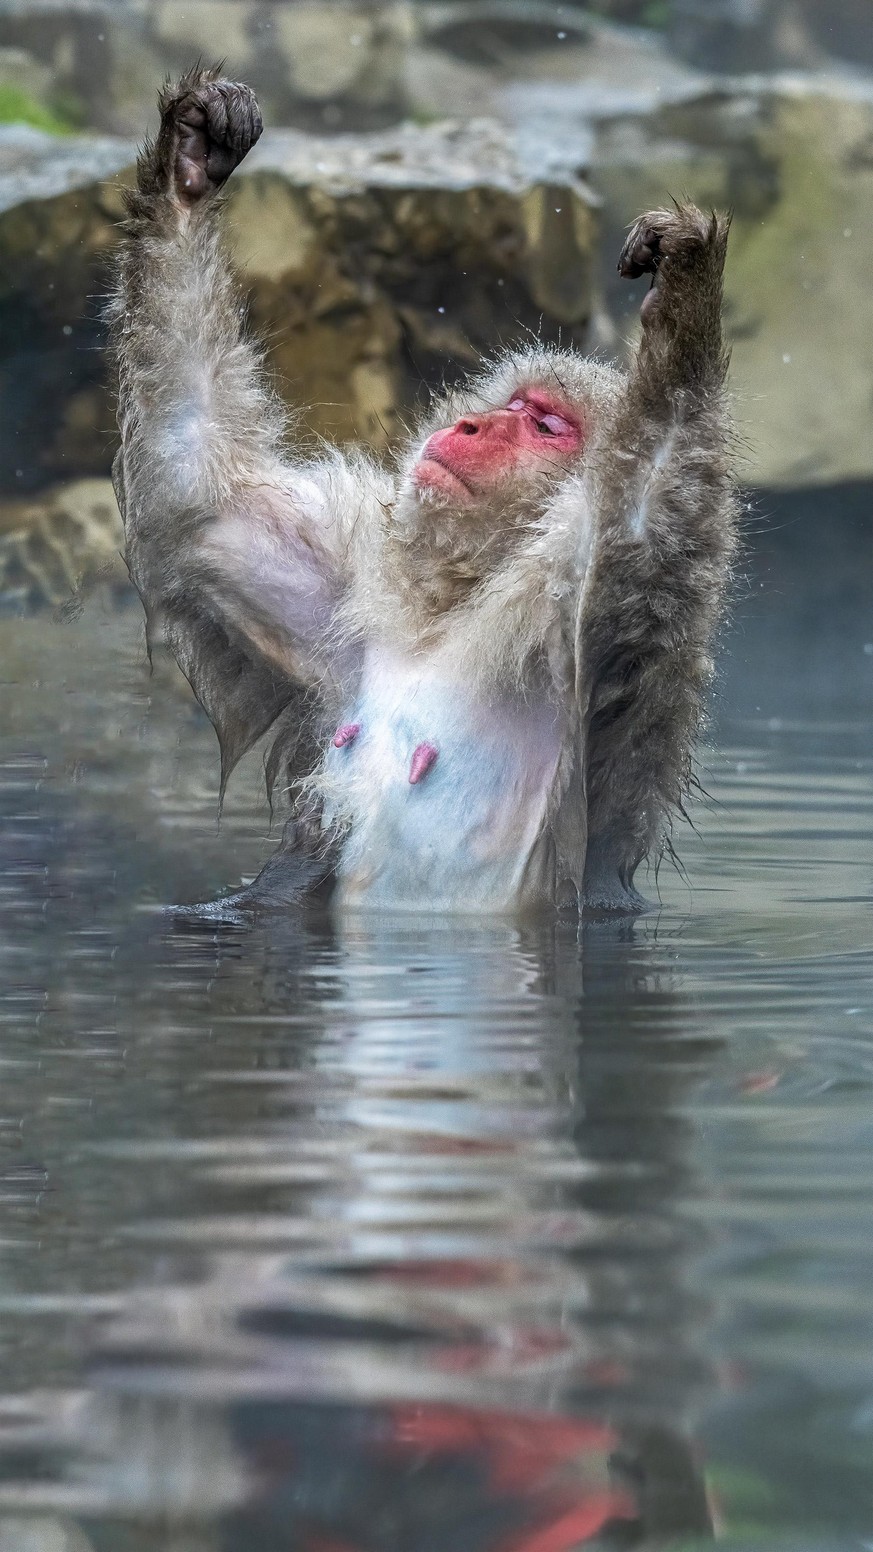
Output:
x=67 y=329
x=440 y=309
x=786 y=360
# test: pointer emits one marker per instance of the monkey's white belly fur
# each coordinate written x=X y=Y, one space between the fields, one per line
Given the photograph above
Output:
x=472 y=835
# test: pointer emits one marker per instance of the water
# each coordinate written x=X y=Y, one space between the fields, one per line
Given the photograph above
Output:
x=425 y=1237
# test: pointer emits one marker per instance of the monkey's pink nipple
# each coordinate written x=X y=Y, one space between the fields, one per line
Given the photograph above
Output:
x=423 y=760
x=346 y=734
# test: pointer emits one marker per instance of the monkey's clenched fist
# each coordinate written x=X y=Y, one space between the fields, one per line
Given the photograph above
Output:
x=207 y=126
x=663 y=234
x=668 y=245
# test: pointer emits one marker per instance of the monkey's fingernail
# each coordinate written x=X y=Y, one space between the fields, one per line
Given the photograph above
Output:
x=346 y=734
x=424 y=758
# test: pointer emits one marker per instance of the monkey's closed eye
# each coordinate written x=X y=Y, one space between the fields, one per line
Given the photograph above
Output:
x=547 y=425
x=553 y=425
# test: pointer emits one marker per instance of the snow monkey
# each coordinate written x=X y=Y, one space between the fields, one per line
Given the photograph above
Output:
x=483 y=666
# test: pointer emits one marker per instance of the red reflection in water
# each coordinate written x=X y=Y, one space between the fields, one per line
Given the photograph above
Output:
x=556 y=1467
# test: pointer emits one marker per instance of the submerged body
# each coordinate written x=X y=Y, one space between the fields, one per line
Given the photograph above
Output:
x=483 y=671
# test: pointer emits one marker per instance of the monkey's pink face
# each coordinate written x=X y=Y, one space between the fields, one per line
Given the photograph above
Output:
x=480 y=452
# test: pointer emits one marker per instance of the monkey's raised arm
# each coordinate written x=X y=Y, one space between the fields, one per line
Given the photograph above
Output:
x=665 y=532
x=237 y=554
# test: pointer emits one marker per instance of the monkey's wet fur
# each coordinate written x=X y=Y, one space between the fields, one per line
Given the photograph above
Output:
x=484 y=667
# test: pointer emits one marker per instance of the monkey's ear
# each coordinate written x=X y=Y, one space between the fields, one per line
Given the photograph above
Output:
x=242 y=696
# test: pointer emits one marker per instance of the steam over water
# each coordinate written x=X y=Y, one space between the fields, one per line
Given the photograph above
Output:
x=416 y=1236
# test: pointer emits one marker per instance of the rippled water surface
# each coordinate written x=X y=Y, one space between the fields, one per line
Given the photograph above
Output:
x=423 y=1237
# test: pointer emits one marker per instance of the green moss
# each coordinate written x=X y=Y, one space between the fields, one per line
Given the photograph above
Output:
x=69 y=108
x=18 y=107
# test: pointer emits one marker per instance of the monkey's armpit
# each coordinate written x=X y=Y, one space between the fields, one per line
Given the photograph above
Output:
x=207 y=126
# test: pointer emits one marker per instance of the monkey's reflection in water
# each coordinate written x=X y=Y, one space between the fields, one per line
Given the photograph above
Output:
x=457 y=1314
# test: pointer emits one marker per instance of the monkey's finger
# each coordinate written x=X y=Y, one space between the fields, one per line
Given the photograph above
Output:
x=231 y=123
x=244 y=122
x=220 y=163
x=234 y=116
x=641 y=254
x=235 y=125
x=215 y=107
x=631 y=266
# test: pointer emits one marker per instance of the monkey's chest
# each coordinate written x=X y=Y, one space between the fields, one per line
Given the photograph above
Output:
x=444 y=798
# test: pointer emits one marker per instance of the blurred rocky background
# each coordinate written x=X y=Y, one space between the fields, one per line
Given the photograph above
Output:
x=438 y=178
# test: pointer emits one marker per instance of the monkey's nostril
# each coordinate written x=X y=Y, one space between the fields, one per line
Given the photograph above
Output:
x=467 y=427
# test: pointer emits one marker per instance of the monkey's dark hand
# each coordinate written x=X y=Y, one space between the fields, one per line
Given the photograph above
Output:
x=662 y=243
x=664 y=234
x=207 y=126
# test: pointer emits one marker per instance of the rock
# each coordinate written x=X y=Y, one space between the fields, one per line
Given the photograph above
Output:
x=727 y=35
x=845 y=31
x=494 y=32
x=793 y=157
x=41 y=1534
x=378 y=266
x=53 y=543
x=344 y=62
x=316 y=66
x=180 y=31
x=742 y=35
x=336 y=65
x=538 y=68
x=58 y=220
x=78 y=42
x=27 y=75
x=35 y=166
x=440 y=85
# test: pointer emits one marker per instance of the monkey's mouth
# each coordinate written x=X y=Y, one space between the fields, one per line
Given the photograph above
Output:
x=432 y=473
